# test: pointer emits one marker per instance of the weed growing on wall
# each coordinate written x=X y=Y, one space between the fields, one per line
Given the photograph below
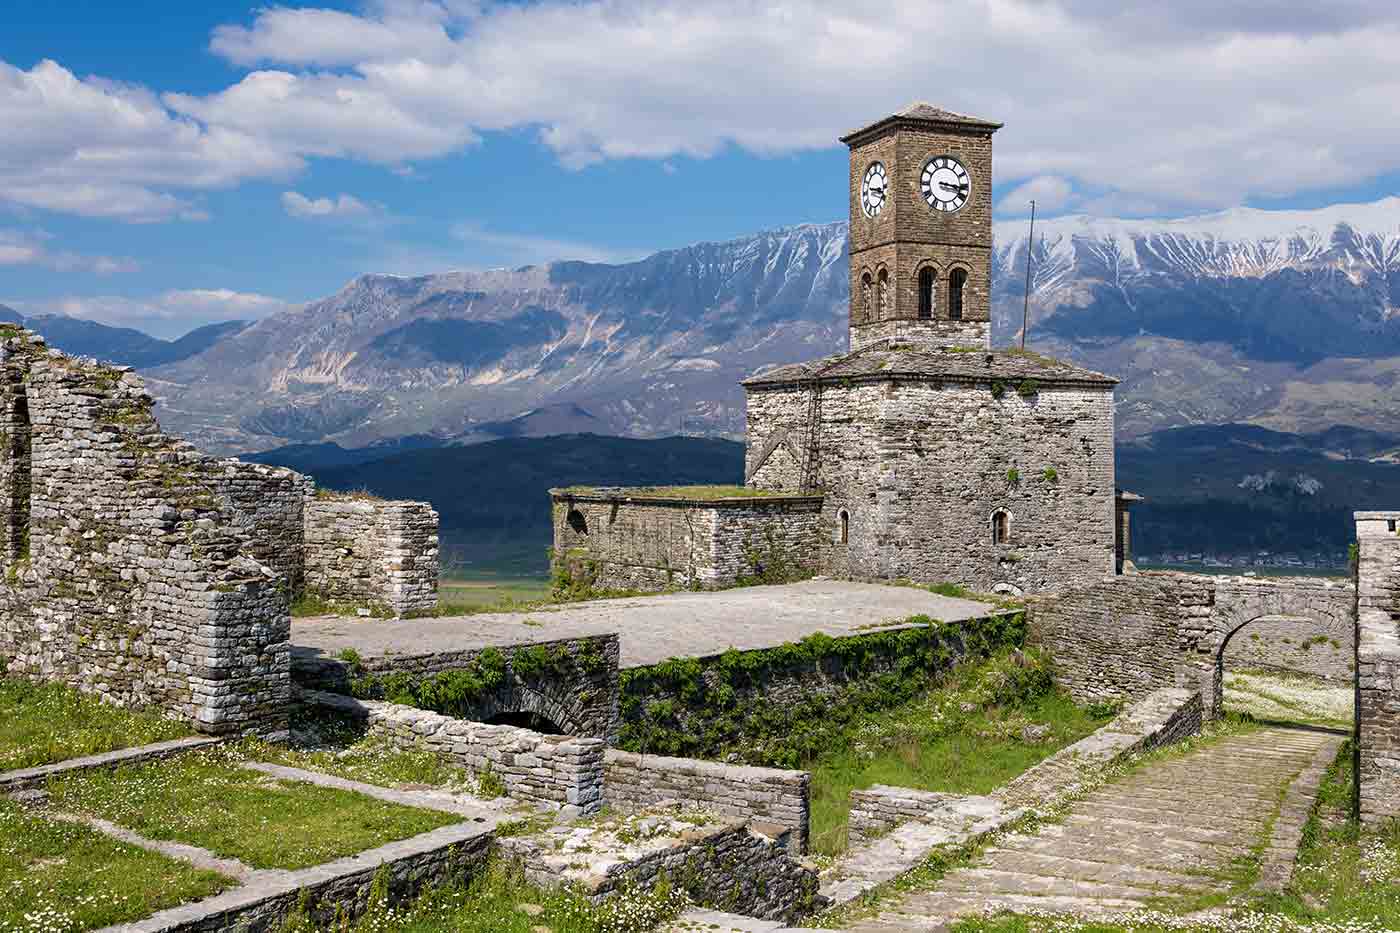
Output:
x=735 y=704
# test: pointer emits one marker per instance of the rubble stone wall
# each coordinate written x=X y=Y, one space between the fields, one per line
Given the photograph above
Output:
x=573 y=682
x=920 y=467
x=557 y=771
x=1126 y=636
x=1377 y=753
x=636 y=782
x=617 y=540
x=130 y=563
x=380 y=552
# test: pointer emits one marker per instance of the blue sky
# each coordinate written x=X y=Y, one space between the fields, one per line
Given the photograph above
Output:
x=169 y=164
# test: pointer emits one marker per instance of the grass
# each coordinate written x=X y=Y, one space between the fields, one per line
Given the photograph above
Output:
x=45 y=723
x=59 y=876
x=492 y=595
x=501 y=900
x=311 y=603
x=206 y=799
x=1289 y=697
x=964 y=738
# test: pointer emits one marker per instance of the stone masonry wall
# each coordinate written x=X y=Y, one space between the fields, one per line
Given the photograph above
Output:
x=573 y=682
x=364 y=550
x=1378 y=666
x=618 y=540
x=636 y=782
x=134 y=573
x=1283 y=645
x=560 y=772
x=920 y=466
x=1127 y=636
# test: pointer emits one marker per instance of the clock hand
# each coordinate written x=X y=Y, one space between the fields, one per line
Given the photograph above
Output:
x=949 y=186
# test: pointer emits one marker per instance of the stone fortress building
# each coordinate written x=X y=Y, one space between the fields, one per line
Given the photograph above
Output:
x=922 y=453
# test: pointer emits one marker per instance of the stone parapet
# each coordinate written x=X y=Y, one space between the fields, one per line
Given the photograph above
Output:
x=636 y=782
x=1377 y=756
x=375 y=551
x=555 y=771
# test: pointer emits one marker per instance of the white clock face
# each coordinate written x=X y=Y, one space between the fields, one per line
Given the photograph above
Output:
x=873 y=189
x=946 y=184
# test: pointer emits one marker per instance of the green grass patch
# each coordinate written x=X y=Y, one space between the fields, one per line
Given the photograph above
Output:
x=44 y=723
x=933 y=744
x=206 y=799
x=312 y=603
x=501 y=900
x=463 y=597
x=345 y=751
x=60 y=876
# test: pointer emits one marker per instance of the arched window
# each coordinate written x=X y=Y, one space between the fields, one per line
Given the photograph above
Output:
x=882 y=285
x=928 y=285
x=867 y=298
x=1001 y=527
x=577 y=522
x=956 y=280
x=843 y=531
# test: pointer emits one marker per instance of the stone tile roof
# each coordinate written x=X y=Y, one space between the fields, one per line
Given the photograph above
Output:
x=923 y=112
x=883 y=360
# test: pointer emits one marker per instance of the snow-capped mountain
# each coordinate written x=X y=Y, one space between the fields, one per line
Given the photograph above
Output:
x=1283 y=318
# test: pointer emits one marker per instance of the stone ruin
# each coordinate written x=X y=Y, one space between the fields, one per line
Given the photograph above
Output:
x=134 y=566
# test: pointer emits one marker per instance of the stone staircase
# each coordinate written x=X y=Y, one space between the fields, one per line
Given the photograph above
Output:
x=1167 y=831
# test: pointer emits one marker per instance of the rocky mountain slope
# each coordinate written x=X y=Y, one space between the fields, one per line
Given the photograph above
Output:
x=1283 y=319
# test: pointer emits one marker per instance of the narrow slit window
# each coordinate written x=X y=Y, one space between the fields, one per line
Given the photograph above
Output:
x=956 y=280
x=928 y=283
x=843 y=535
x=1001 y=527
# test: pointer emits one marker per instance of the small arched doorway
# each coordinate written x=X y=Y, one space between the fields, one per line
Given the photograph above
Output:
x=1284 y=669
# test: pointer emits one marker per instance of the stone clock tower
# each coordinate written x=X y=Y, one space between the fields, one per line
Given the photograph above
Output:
x=921 y=229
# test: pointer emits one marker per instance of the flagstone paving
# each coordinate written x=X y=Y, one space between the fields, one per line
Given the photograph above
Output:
x=1172 y=830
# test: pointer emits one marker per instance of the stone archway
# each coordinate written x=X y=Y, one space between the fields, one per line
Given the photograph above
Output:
x=1302 y=628
x=1313 y=607
x=513 y=705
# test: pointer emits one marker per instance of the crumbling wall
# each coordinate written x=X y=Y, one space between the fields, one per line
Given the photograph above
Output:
x=362 y=550
x=1378 y=665
x=617 y=539
x=129 y=567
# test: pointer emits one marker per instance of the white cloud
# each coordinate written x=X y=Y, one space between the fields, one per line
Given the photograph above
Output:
x=1180 y=105
x=1050 y=193
x=513 y=249
x=299 y=205
x=169 y=314
x=23 y=248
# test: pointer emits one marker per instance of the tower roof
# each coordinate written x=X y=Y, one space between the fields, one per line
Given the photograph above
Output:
x=922 y=114
x=894 y=360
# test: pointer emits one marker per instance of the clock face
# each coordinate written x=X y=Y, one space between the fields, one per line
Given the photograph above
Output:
x=873 y=189
x=946 y=184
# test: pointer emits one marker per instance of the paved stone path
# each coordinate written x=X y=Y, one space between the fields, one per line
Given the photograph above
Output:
x=1167 y=830
x=652 y=628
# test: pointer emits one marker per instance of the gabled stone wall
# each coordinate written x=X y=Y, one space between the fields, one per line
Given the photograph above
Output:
x=1378 y=665
x=130 y=565
x=384 y=553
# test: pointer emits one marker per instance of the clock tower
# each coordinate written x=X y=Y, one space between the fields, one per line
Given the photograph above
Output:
x=921 y=229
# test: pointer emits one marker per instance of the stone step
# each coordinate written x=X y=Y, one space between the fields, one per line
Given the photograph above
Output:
x=985 y=880
x=1119 y=870
x=929 y=913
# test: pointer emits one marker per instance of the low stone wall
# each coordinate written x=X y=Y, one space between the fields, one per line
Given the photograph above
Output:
x=636 y=782
x=619 y=539
x=1161 y=718
x=705 y=707
x=1127 y=636
x=560 y=772
x=738 y=867
x=1377 y=756
x=572 y=682
x=375 y=551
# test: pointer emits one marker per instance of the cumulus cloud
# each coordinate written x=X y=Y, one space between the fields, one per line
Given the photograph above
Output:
x=1050 y=193
x=297 y=204
x=1181 y=105
x=169 y=314
x=26 y=248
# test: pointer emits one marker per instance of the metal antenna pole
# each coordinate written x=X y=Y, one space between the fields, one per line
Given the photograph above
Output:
x=1026 y=304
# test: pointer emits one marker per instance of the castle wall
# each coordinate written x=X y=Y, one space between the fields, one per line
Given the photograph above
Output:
x=1127 y=636
x=618 y=541
x=134 y=572
x=1378 y=666
x=364 y=550
x=920 y=466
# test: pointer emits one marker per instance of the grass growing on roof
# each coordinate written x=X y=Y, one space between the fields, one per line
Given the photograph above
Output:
x=206 y=799
x=44 y=723
x=964 y=737
x=58 y=876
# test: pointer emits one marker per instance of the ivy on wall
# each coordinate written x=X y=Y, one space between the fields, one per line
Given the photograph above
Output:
x=726 y=705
